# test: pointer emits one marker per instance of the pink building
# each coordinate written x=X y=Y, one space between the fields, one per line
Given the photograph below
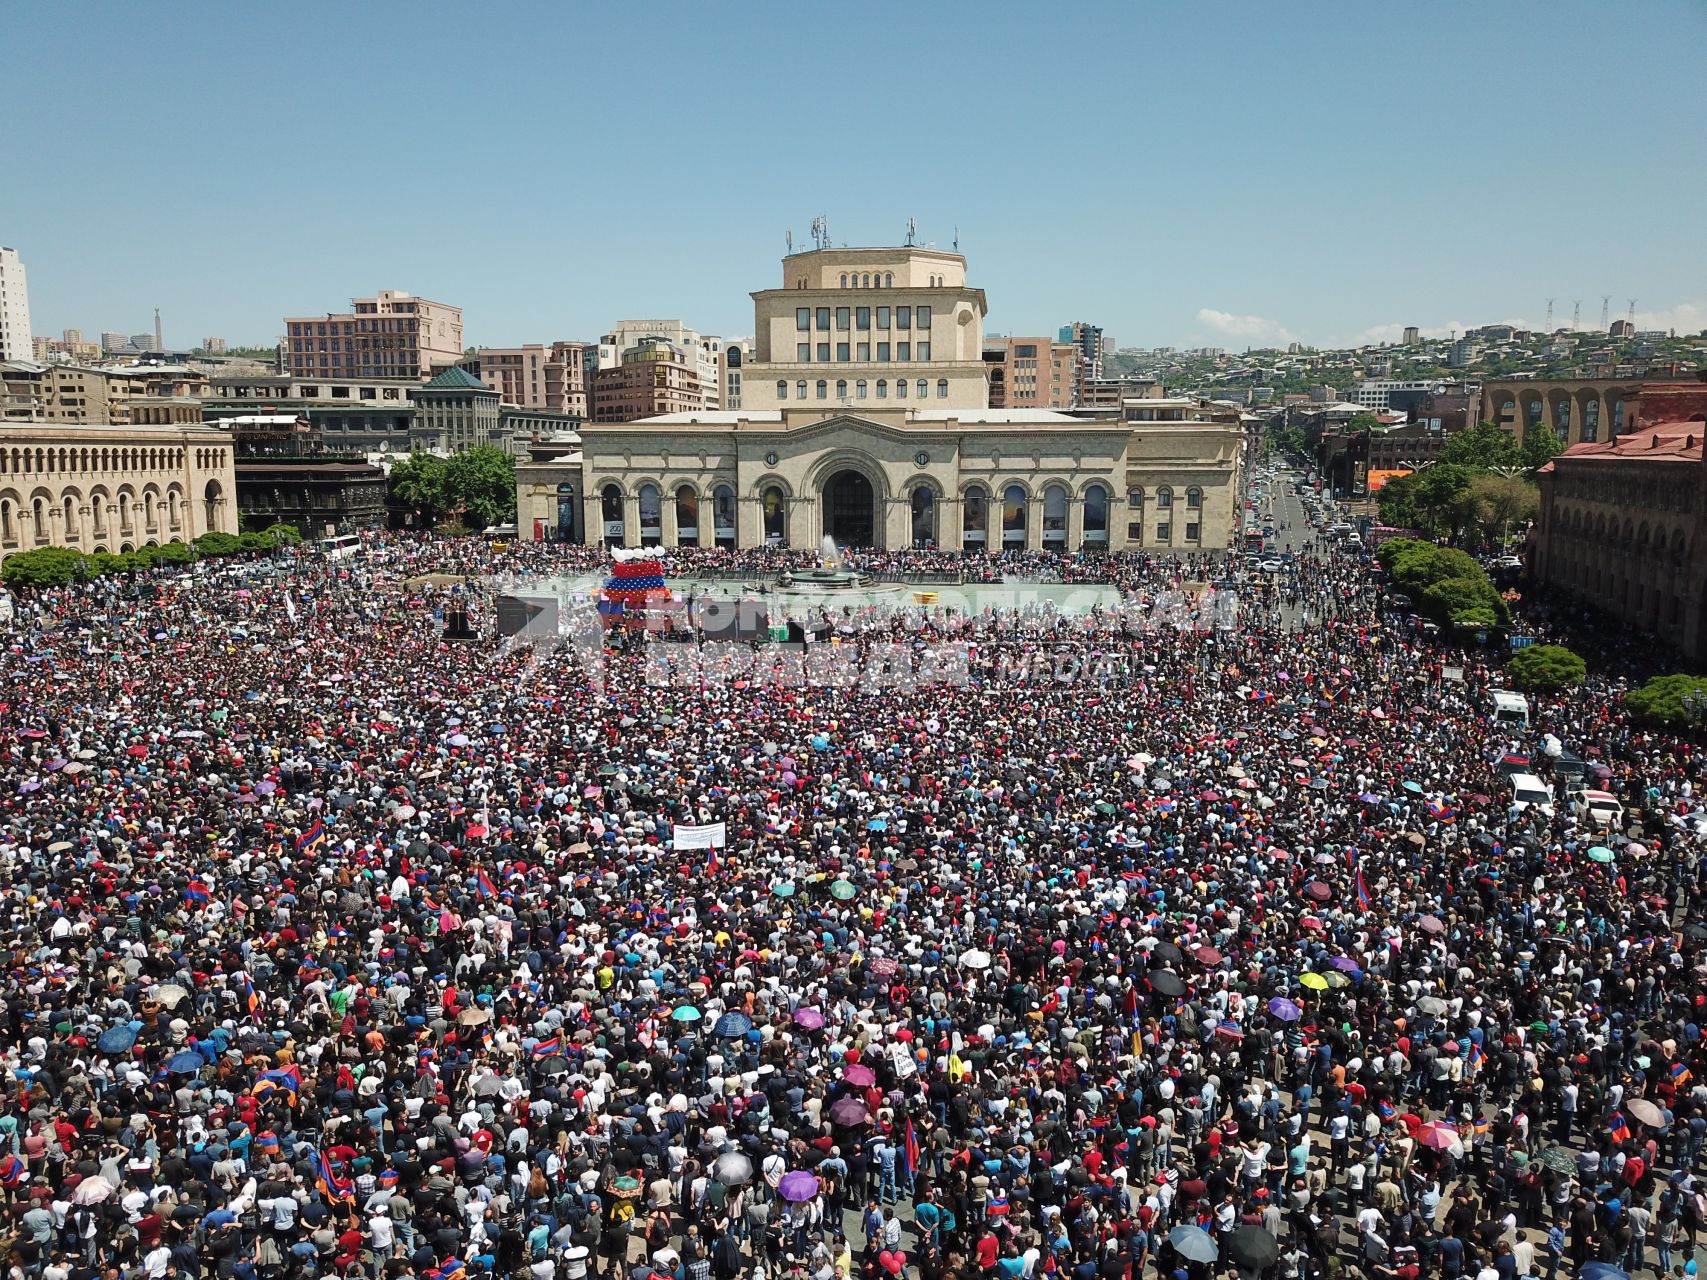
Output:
x=539 y=377
x=394 y=335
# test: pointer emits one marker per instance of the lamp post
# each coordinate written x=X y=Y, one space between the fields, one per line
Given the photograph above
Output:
x=1695 y=707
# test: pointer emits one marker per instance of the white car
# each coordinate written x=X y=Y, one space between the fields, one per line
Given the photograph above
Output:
x=1272 y=566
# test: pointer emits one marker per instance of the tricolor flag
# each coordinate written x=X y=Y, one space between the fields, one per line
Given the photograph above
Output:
x=1618 y=1129
x=547 y=1048
x=487 y=888
x=1440 y=811
x=1476 y=1054
x=1363 y=898
x=1679 y=1074
x=910 y=1148
x=712 y=864
x=251 y=1001
x=313 y=838
x=197 y=893
x=334 y=1186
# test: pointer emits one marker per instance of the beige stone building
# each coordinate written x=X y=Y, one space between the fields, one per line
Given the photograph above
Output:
x=535 y=376
x=1031 y=373
x=107 y=488
x=852 y=325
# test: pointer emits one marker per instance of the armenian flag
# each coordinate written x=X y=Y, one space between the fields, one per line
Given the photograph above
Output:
x=910 y=1147
x=1618 y=1129
x=1363 y=899
x=313 y=838
x=1679 y=1074
x=487 y=888
x=547 y=1048
x=197 y=893
x=333 y=1185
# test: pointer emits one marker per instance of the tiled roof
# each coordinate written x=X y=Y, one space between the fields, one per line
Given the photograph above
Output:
x=1656 y=441
x=456 y=378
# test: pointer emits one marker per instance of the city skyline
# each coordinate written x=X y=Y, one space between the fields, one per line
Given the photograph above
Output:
x=1462 y=202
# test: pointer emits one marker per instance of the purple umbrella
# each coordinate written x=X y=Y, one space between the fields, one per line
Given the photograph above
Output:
x=28 y=786
x=859 y=1075
x=1284 y=1009
x=811 y=1019
x=1345 y=964
x=849 y=1111
x=266 y=786
x=797 y=1185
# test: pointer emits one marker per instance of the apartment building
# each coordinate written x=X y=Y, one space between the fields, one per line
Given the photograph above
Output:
x=391 y=335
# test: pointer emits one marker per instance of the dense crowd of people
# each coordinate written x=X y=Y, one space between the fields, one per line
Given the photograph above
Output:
x=337 y=948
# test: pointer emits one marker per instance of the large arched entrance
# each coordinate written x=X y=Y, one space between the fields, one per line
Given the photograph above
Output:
x=850 y=510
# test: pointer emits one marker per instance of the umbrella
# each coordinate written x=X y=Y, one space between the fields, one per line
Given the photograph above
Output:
x=809 y=1018
x=626 y=1187
x=1319 y=890
x=1439 y=1137
x=473 y=1017
x=975 y=959
x=92 y=1190
x=116 y=1040
x=783 y=889
x=732 y=1025
x=1600 y=853
x=1415 y=839
x=555 y=1065
x=849 y=1111
x=1251 y=1247
x=1558 y=1160
x=1415 y=787
x=1208 y=955
x=1165 y=982
x=1167 y=953
x=859 y=1075
x=842 y=890
x=1336 y=979
x=1193 y=1243
x=685 y=1013
x=1602 y=1271
x=1431 y=924
x=1345 y=964
x=1319 y=784
x=1284 y=1009
x=185 y=1062
x=1434 y=1006
x=1314 y=981
x=797 y=1185
x=884 y=966
x=1643 y=1111
x=169 y=994
x=734 y=1168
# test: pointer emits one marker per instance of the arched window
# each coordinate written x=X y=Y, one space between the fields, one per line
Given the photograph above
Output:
x=883 y=388
x=781 y=389
x=867 y=280
x=1096 y=515
x=611 y=514
x=687 y=516
x=942 y=388
x=900 y=388
x=40 y=515
x=889 y=280
x=565 y=513
x=800 y=389
x=1164 y=498
x=823 y=389
x=149 y=520
x=651 y=516
x=924 y=388
x=924 y=516
x=70 y=505
x=124 y=513
x=774 y=508
x=974 y=518
x=841 y=388
x=723 y=515
x=1013 y=516
x=844 y=279
x=1055 y=516
x=859 y=389
x=6 y=521
x=1194 y=498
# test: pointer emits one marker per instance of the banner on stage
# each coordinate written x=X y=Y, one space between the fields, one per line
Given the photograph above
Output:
x=713 y=835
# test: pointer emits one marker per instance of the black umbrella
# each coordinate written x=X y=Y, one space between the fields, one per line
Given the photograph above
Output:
x=1249 y=1245
x=1166 y=982
x=1167 y=953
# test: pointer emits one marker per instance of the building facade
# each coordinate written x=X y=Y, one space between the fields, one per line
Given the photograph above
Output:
x=391 y=335
x=655 y=376
x=1377 y=395
x=1581 y=411
x=1031 y=373
x=536 y=376
x=1092 y=344
x=852 y=325
x=352 y=416
x=321 y=497
x=16 y=338
x=704 y=352
x=107 y=488
x=453 y=412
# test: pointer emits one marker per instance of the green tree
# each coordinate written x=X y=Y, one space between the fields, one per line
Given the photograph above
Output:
x=1363 y=422
x=215 y=543
x=1482 y=447
x=1660 y=700
x=283 y=535
x=481 y=484
x=418 y=482
x=1541 y=446
x=1440 y=493
x=109 y=564
x=44 y=567
x=1466 y=602
x=1398 y=502
x=1504 y=501
x=1546 y=666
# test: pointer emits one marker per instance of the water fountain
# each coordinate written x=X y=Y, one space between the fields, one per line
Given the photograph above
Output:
x=831 y=575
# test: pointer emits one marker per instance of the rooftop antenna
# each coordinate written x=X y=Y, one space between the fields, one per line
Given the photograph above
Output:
x=957 y=237
x=1577 y=314
x=1548 y=328
x=1605 y=302
x=1631 y=318
x=912 y=232
x=789 y=237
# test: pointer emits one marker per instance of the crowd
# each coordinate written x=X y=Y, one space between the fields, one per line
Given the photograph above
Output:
x=337 y=949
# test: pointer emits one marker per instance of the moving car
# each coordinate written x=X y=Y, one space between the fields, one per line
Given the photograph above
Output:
x=1598 y=810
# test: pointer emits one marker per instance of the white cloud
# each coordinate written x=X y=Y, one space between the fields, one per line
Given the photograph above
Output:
x=1249 y=327
x=1685 y=317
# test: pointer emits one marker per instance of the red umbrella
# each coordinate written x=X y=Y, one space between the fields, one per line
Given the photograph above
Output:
x=136 y=750
x=1209 y=955
x=1319 y=891
x=1439 y=1137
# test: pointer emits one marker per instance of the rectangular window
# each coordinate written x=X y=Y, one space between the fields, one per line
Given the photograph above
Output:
x=1024 y=351
x=903 y=351
x=823 y=353
x=823 y=317
x=923 y=316
x=903 y=317
x=924 y=351
x=883 y=317
x=862 y=352
x=1191 y=533
x=803 y=352
x=883 y=353
x=842 y=314
x=842 y=352
x=862 y=318
x=803 y=318
x=1164 y=531
x=1135 y=533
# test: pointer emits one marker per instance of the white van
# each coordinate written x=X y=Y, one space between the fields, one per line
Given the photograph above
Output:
x=1598 y=810
x=1510 y=708
x=1527 y=790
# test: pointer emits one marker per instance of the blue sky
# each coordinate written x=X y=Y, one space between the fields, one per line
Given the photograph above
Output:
x=1226 y=174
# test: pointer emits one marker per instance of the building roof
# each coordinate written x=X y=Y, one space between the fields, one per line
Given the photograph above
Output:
x=966 y=417
x=1652 y=442
x=456 y=378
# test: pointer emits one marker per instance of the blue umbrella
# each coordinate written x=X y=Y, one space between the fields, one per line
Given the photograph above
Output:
x=1602 y=1271
x=732 y=1025
x=1193 y=1243
x=185 y=1062
x=117 y=1040
x=1413 y=786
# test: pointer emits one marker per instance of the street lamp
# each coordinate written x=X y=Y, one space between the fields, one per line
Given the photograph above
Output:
x=1695 y=707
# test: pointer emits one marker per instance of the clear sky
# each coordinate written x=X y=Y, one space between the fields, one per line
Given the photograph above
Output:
x=1206 y=173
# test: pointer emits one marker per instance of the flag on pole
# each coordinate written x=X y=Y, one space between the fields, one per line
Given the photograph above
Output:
x=1619 y=1128
x=1363 y=898
x=910 y=1148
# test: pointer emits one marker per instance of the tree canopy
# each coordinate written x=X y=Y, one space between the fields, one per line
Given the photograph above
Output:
x=1660 y=700
x=1546 y=666
x=478 y=485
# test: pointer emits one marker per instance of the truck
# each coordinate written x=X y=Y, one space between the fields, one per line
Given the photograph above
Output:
x=1509 y=708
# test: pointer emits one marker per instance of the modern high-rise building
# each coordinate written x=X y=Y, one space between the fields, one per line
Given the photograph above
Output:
x=1413 y=335
x=15 y=335
x=869 y=324
x=535 y=376
x=1092 y=343
x=706 y=352
x=1031 y=373
x=112 y=342
x=392 y=335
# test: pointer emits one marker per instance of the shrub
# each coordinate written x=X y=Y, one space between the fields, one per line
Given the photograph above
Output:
x=1546 y=666
x=1660 y=700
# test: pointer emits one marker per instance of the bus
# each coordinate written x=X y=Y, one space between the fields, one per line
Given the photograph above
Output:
x=338 y=548
x=1254 y=543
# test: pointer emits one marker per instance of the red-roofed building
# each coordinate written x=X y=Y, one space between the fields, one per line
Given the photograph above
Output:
x=1623 y=522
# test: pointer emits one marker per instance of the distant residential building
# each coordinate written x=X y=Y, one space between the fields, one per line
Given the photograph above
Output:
x=1378 y=394
x=453 y=412
x=1093 y=345
x=1322 y=393
x=654 y=377
x=1111 y=393
x=1413 y=335
x=16 y=338
x=391 y=335
x=69 y=347
x=1031 y=373
x=112 y=343
x=706 y=352
x=1463 y=354
x=1621 y=329
x=214 y=346
x=536 y=376
x=1493 y=332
